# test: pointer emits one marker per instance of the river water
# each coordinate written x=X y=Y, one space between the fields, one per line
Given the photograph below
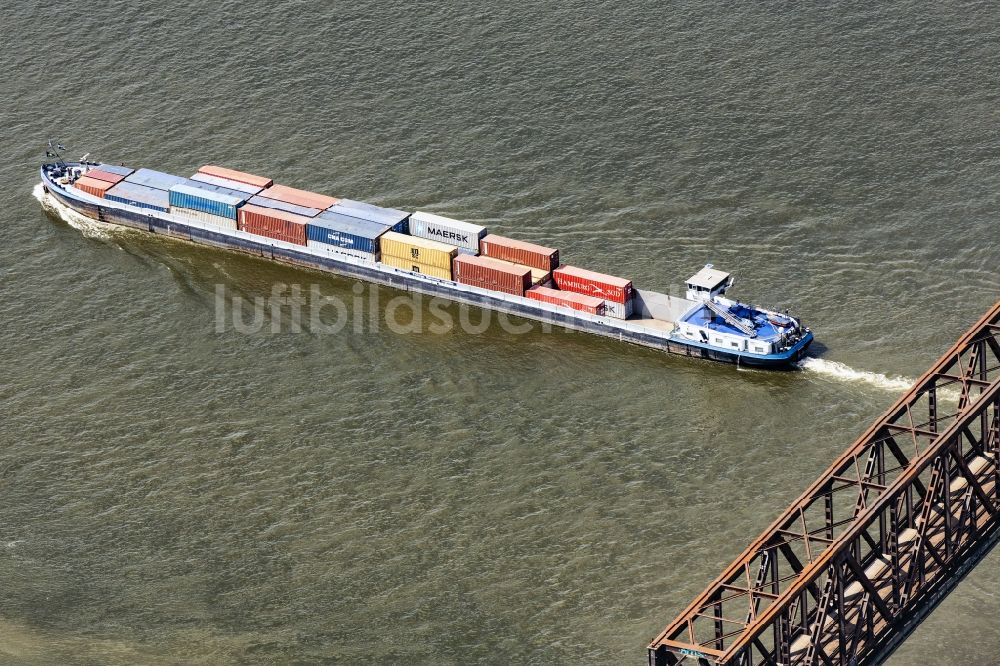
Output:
x=175 y=488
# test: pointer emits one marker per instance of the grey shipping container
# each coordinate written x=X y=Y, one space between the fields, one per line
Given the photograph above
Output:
x=139 y=195
x=114 y=168
x=282 y=205
x=225 y=182
x=157 y=179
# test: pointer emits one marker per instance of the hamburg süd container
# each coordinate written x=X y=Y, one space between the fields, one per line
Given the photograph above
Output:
x=204 y=218
x=198 y=197
x=157 y=179
x=416 y=266
x=238 y=176
x=114 y=168
x=464 y=235
x=225 y=182
x=346 y=232
x=392 y=218
x=491 y=274
x=299 y=197
x=92 y=186
x=519 y=252
x=107 y=176
x=272 y=223
x=139 y=196
x=418 y=250
x=567 y=299
x=287 y=207
x=582 y=281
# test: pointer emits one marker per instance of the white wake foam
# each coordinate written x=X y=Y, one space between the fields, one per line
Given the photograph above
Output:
x=846 y=373
x=88 y=227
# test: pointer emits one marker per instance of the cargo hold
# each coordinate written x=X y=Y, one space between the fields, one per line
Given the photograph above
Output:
x=139 y=196
x=272 y=223
x=568 y=299
x=582 y=281
x=419 y=250
x=299 y=197
x=446 y=230
x=491 y=274
x=238 y=176
x=519 y=252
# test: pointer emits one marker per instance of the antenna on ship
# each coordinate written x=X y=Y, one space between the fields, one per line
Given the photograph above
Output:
x=55 y=150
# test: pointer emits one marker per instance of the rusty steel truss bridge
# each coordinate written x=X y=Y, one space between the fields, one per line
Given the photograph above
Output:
x=869 y=550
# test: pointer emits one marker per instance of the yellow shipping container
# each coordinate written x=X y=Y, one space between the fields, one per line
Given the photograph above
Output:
x=416 y=267
x=417 y=250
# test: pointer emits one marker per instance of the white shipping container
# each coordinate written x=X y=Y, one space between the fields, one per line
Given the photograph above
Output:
x=339 y=252
x=618 y=310
x=204 y=218
x=446 y=230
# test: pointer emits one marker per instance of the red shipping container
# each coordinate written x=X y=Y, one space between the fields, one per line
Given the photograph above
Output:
x=93 y=186
x=298 y=197
x=582 y=281
x=519 y=252
x=105 y=176
x=569 y=299
x=238 y=176
x=491 y=274
x=277 y=224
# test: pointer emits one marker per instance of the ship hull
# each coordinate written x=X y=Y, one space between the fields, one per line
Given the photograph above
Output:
x=163 y=224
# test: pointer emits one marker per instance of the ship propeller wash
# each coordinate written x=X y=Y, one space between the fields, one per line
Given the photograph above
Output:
x=425 y=253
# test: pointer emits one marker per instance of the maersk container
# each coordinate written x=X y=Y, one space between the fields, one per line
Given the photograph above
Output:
x=610 y=288
x=519 y=252
x=101 y=174
x=287 y=207
x=392 y=218
x=416 y=266
x=347 y=232
x=238 y=176
x=92 y=186
x=567 y=299
x=419 y=250
x=619 y=310
x=157 y=179
x=222 y=204
x=113 y=168
x=491 y=274
x=140 y=196
x=299 y=197
x=204 y=218
x=225 y=182
x=272 y=223
x=446 y=230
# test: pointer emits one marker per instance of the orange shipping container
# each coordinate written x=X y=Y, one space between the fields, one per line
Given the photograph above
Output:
x=491 y=274
x=582 y=281
x=273 y=223
x=105 y=176
x=238 y=176
x=298 y=197
x=93 y=186
x=567 y=299
x=519 y=252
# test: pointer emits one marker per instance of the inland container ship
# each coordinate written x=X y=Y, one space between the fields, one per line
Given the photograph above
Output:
x=426 y=253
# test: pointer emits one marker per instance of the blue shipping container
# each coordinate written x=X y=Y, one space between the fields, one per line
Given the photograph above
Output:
x=344 y=231
x=223 y=204
x=281 y=205
x=139 y=195
x=118 y=170
x=157 y=179
x=395 y=219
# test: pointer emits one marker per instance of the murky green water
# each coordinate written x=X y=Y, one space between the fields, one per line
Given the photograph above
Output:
x=173 y=494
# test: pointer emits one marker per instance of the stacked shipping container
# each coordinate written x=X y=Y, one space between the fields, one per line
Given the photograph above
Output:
x=491 y=274
x=418 y=255
x=225 y=182
x=140 y=196
x=616 y=291
x=101 y=174
x=239 y=176
x=272 y=223
x=299 y=197
x=397 y=220
x=464 y=235
x=568 y=299
x=207 y=203
x=287 y=207
x=519 y=252
x=92 y=186
x=339 y=234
